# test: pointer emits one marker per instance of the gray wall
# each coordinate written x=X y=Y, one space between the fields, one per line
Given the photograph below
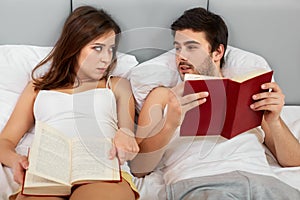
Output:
x=269 y=28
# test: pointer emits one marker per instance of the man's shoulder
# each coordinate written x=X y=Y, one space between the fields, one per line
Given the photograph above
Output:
x=160 y=91
x=159 y=94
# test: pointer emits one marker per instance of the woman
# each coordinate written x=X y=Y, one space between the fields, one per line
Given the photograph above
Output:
x=81 y=62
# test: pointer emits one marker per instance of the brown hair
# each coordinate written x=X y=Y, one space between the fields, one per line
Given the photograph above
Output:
x=82 y=26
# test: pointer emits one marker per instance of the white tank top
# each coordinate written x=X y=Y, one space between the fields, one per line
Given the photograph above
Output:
x=84 y=113
x=89 y=113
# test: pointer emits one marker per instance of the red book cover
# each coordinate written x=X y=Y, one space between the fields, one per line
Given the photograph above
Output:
x=227 y=110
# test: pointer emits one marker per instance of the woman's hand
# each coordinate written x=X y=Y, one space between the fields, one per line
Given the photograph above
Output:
x=125 y=145
x=19 y=167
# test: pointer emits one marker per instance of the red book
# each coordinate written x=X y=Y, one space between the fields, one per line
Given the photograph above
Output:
x=227 y=110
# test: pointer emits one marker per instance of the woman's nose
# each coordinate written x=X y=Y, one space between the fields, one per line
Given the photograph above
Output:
x=106 y=56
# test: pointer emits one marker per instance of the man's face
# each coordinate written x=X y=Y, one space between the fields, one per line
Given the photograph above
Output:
x=193 y=54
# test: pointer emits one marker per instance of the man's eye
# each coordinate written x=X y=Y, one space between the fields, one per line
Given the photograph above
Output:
x=177 y=48
x=192 y=47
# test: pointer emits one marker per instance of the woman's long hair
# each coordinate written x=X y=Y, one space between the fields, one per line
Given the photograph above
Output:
x=81 y=27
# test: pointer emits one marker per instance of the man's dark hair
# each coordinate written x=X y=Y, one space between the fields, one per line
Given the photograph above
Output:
x=201 y=20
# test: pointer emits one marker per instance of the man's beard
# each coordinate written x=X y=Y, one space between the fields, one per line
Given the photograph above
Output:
x=207 y=67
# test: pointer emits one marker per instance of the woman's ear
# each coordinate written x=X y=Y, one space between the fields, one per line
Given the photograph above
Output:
x=218 y=53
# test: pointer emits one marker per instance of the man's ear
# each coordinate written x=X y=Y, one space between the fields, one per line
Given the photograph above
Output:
x=218 y=53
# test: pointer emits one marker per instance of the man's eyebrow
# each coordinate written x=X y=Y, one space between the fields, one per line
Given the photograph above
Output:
x=186 y=43
x=191 y=42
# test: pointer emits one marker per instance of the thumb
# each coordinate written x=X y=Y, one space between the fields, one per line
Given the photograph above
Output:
x=112 y=152
x=25 y=164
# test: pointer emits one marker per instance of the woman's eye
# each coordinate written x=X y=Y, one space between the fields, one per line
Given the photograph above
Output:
x=98 y=48
x=112 y=49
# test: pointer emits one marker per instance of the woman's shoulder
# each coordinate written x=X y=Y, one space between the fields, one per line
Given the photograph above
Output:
x=29 y=92
x=120 y=86
x=119 y=82
x=30 y=87
x=116 y=79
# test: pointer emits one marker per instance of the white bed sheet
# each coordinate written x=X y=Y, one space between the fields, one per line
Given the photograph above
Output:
x=152 y=186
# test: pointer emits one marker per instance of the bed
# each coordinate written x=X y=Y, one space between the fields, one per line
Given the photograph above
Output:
x=264 y=39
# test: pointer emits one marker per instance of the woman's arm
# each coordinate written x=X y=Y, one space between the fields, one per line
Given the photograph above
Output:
x=20 y=121
x=124 y=140
x=279 y=139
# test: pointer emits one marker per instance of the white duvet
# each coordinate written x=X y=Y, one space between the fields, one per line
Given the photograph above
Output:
x=152 y=186
x=17 y=62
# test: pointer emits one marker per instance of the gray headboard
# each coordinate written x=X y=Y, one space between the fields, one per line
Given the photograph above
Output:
x=145 y=23
x=269 y=28
x=32 y=22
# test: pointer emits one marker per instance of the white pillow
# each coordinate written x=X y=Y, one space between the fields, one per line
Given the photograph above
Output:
x=162 y=71
x=159 y=71
x=239 y=62
x=124 y=65
x=16 y=64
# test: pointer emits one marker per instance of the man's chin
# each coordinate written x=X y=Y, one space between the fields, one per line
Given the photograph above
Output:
x=181 y=76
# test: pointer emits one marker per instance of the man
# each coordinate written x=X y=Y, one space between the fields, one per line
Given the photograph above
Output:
x=211 y=167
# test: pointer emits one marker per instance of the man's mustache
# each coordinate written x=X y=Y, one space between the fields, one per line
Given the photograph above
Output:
x=186 y=64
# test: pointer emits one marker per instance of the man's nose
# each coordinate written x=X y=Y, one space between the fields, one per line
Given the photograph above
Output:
x=182 y=55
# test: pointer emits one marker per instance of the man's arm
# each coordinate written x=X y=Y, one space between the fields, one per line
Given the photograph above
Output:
x=279 y=139
x=151 y=134
x=156 y=128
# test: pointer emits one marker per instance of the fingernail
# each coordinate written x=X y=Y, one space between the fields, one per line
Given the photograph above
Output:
x=252 y=106
x=254 y=96
x=206 y=93
x=263 y=86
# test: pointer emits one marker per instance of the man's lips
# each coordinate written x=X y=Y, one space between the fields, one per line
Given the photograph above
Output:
x=185 y=67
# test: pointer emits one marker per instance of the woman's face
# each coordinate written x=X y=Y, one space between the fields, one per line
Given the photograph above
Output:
x=95 y=57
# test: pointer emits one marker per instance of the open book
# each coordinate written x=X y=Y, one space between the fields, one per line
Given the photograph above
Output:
x=57 y=162
x=227 y=110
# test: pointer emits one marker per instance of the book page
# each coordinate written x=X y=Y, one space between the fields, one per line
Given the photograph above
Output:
x=249 y=75
x=90 y=160
x=50 y=155
x=200 y=77
x=37 y=181
x=36 y=185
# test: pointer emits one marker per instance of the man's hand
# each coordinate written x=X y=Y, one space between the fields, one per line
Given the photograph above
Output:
x=178 y=104
x=272 y=102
